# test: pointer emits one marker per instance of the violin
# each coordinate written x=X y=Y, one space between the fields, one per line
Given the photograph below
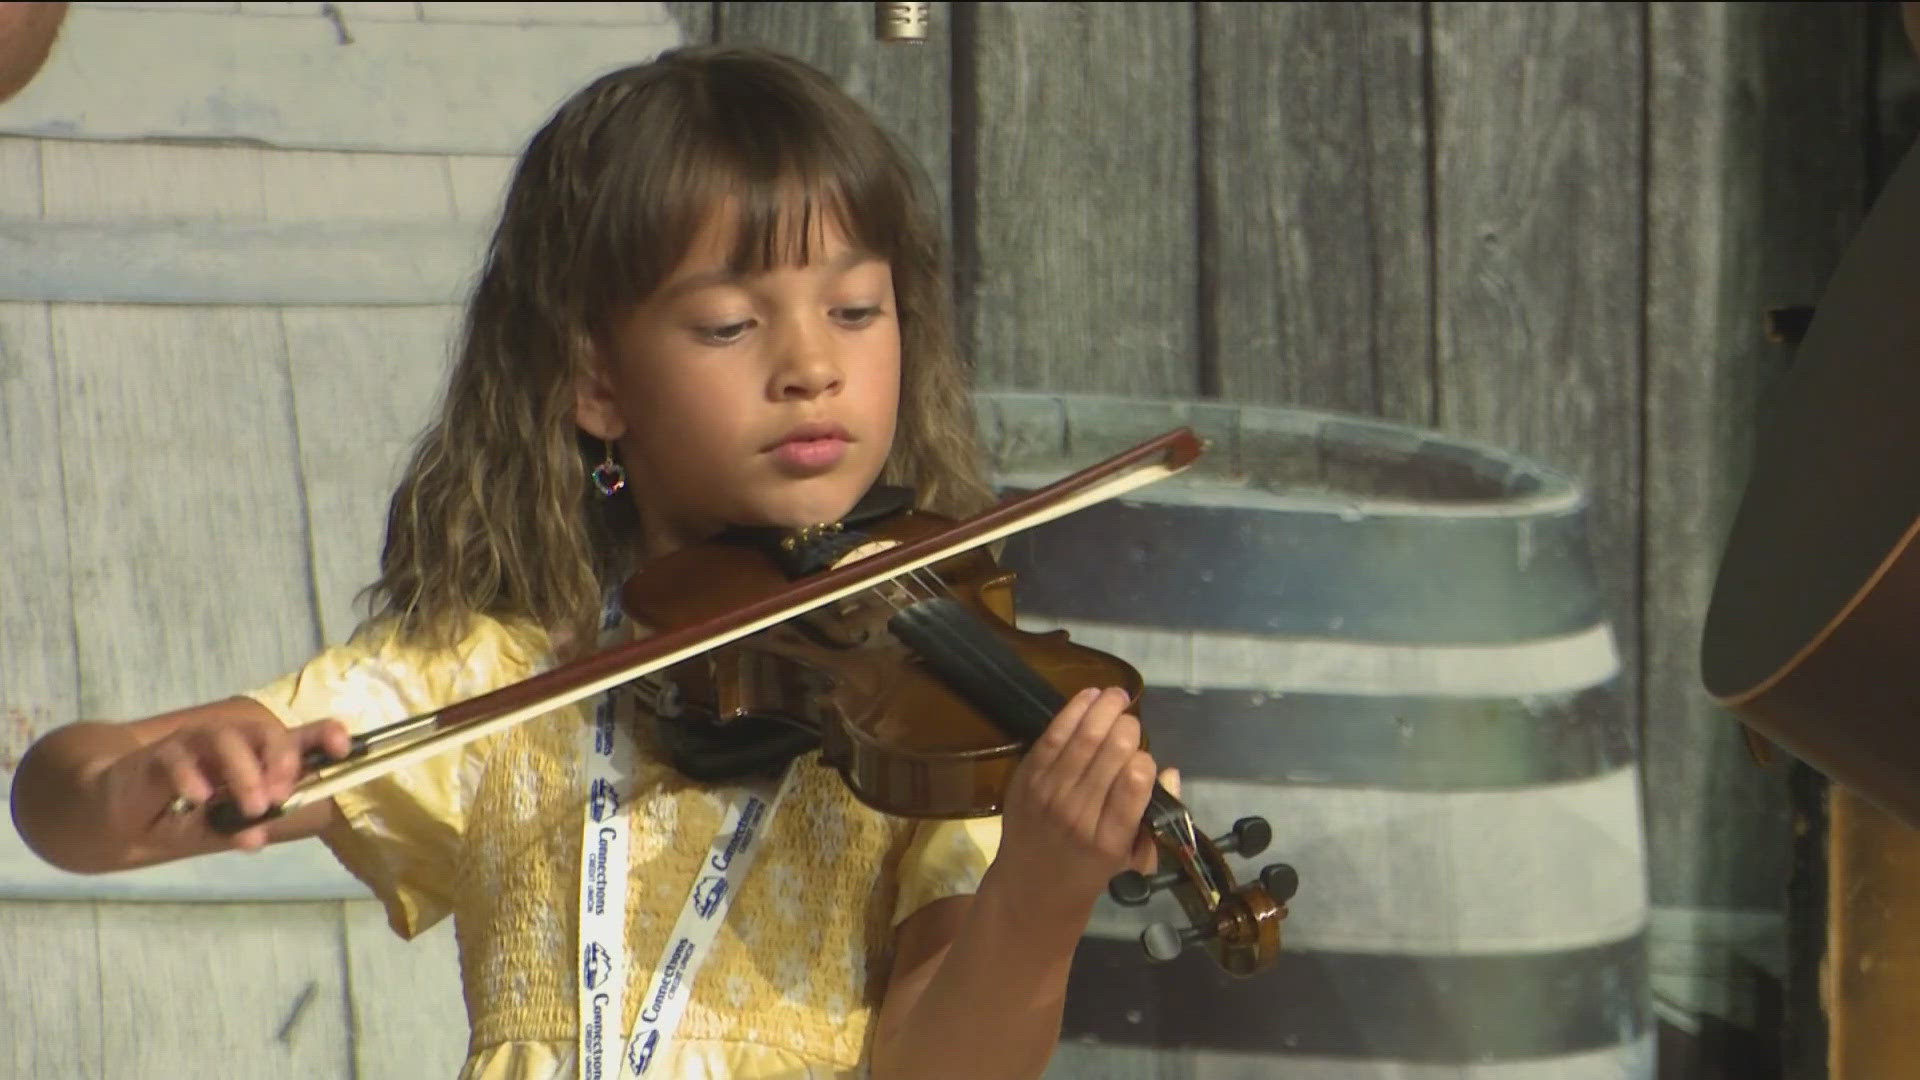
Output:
x=923 y=694
x=887 y=642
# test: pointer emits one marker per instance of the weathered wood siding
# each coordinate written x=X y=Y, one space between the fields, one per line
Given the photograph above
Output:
x=229 y=268
x=1549 y=227
x=1757 y=114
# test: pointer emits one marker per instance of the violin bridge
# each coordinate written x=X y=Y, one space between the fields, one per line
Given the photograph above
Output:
x=863 y=550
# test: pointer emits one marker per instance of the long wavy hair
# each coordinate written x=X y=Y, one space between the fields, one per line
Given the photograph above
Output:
x=495 y=514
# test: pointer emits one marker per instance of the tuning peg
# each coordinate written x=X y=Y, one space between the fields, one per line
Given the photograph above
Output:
x=1164 y=942
x=1250 y=837
x=1132 y=888
x=1280 y=881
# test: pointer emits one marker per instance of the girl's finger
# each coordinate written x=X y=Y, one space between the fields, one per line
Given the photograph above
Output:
x=287 y=753
x=1046 y=749
x=1071 y=765
x=329 y=735
x=251 y=839
x=1126 y=804
x=177 y=775
x=279 y=753
x=237 y=763
x=1096 y=781
x=1146 y=854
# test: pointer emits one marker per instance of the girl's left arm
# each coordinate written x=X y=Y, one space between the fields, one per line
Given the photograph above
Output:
x=979 y=983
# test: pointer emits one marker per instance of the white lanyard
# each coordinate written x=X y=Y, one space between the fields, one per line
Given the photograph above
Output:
x=603 y=885
x=603 y=899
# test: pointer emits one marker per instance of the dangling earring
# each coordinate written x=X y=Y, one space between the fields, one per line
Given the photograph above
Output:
x=608 y=476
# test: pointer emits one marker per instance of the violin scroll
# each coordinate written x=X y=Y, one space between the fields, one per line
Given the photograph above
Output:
x=1238 y=924
x=1249 y=837
x=1243 y=934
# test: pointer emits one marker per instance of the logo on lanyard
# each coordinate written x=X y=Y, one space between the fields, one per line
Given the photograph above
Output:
x=708 y=894
x=641 y=1055
x=596 y=964
x=603 y=728
x=603 y=800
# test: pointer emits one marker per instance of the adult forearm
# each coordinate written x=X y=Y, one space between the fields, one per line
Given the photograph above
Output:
x=992 y=1008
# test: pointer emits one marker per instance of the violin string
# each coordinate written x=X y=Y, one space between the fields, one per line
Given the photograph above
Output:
x=940 y=588
x=1173 y=815
x=962 y=643
x=1180 y=820
x=984 y=660
x=887 y=598
x=937 y=589
x=981 y=658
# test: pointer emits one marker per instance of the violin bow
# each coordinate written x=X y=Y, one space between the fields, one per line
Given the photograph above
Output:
x=385 y=750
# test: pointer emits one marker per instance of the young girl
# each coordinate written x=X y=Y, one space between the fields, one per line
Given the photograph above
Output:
x=714 y=299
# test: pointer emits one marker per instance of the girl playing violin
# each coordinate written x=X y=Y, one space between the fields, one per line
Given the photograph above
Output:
x=714 y=299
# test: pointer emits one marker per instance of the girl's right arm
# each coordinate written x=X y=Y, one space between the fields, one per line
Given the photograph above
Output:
x=93 y=797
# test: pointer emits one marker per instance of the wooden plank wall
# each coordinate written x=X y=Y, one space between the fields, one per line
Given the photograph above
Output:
x=1549 y=226
x=201 y=437
x=1775 y=77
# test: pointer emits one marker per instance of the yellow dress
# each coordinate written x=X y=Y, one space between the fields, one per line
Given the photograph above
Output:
x=490 y=833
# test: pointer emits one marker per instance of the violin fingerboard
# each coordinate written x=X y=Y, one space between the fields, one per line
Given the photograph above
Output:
x=972 y=659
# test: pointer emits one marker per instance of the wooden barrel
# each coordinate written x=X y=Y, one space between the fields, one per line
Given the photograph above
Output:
x=1389 y=644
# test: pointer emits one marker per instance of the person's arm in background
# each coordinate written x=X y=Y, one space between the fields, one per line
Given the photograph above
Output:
x=26 y=37
x=1910 y=14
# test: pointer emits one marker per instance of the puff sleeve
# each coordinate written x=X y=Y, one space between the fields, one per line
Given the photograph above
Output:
x=944 y=858
x=401 y=834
